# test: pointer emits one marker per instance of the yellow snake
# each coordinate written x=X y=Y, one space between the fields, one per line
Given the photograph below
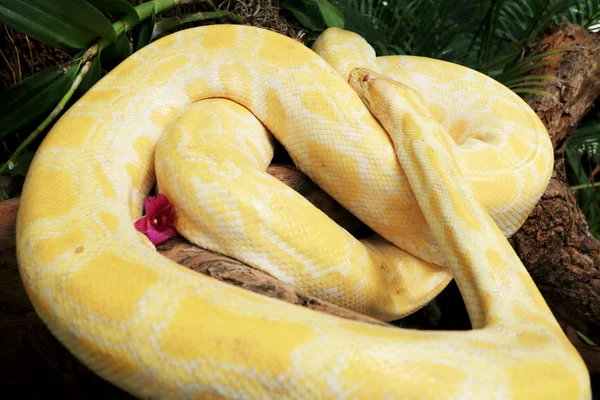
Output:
x=443 y=164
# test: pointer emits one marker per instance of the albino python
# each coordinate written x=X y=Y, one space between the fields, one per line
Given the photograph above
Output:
x=442 y=162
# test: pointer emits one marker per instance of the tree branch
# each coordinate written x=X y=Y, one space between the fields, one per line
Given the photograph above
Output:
x=555 y=244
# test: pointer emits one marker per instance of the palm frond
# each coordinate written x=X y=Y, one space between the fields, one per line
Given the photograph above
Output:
x=583 y=160
x=461 y=31
x=418 y=27
x=585 y=13
x=586 y=139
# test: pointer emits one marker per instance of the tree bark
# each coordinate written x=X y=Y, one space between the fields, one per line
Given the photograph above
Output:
x=555 y=244
x=236 y=273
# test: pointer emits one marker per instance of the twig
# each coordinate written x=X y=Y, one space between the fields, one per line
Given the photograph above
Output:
x=17 y=56
x=31 y=63
x=10 y=67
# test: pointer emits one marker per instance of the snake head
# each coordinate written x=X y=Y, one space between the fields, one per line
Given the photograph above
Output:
x=385 y=97
x=376 y=91
x=362 y=80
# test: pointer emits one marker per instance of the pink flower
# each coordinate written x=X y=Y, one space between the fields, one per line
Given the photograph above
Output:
x=158 y=221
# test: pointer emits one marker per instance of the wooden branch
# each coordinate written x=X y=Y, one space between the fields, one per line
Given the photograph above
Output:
x=8 y=222
x=555 y=243
x=236 y=273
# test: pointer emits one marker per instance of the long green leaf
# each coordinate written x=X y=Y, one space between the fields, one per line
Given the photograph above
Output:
x=532 y=91
x=532 y=83
x=332 y=16
x=167 y=24
x=521 y=79
x=65 y=24
x=34 y=97
x=587 y=137
x=586 y=195
x=114 y=54
x=117 y=8
x=528 y=64
x=142 y=33
x=574 y=163
x=309 y=17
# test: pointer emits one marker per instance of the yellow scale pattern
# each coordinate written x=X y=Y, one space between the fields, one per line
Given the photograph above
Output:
x=443 y=166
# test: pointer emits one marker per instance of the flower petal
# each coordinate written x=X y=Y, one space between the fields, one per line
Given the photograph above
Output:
x=170 y=232
x=153 y=205
x=158 y=209
x=141 y=225
x=150 y=205
x=156 y=237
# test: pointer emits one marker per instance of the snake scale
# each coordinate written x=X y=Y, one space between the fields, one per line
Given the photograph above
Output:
x=440 y=161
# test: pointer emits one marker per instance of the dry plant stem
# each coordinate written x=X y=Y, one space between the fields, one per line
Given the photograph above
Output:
x=555 y=243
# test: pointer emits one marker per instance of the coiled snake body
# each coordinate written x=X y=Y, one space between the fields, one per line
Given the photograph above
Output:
x=442 y=164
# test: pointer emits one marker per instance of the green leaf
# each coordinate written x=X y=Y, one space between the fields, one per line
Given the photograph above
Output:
x=117 y=8
x=532 y=83
x=523 y=79
x=5 y=180
x=142 y=33
x=65 y=24
x=114 y=54
x=11 y=181
x=23 y=163
x=587 y=133
x=522 y=67
x=585 y=192
x=575 y=164
x=332 y=16
x=309 y=17
x=34 y=97
x=532 y=91
x=167 y=24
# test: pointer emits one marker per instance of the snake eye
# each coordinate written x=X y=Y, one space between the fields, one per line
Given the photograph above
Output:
x=366 y=77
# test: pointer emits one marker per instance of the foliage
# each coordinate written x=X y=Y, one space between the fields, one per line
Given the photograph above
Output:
x=583 y=161
x=315 y=15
